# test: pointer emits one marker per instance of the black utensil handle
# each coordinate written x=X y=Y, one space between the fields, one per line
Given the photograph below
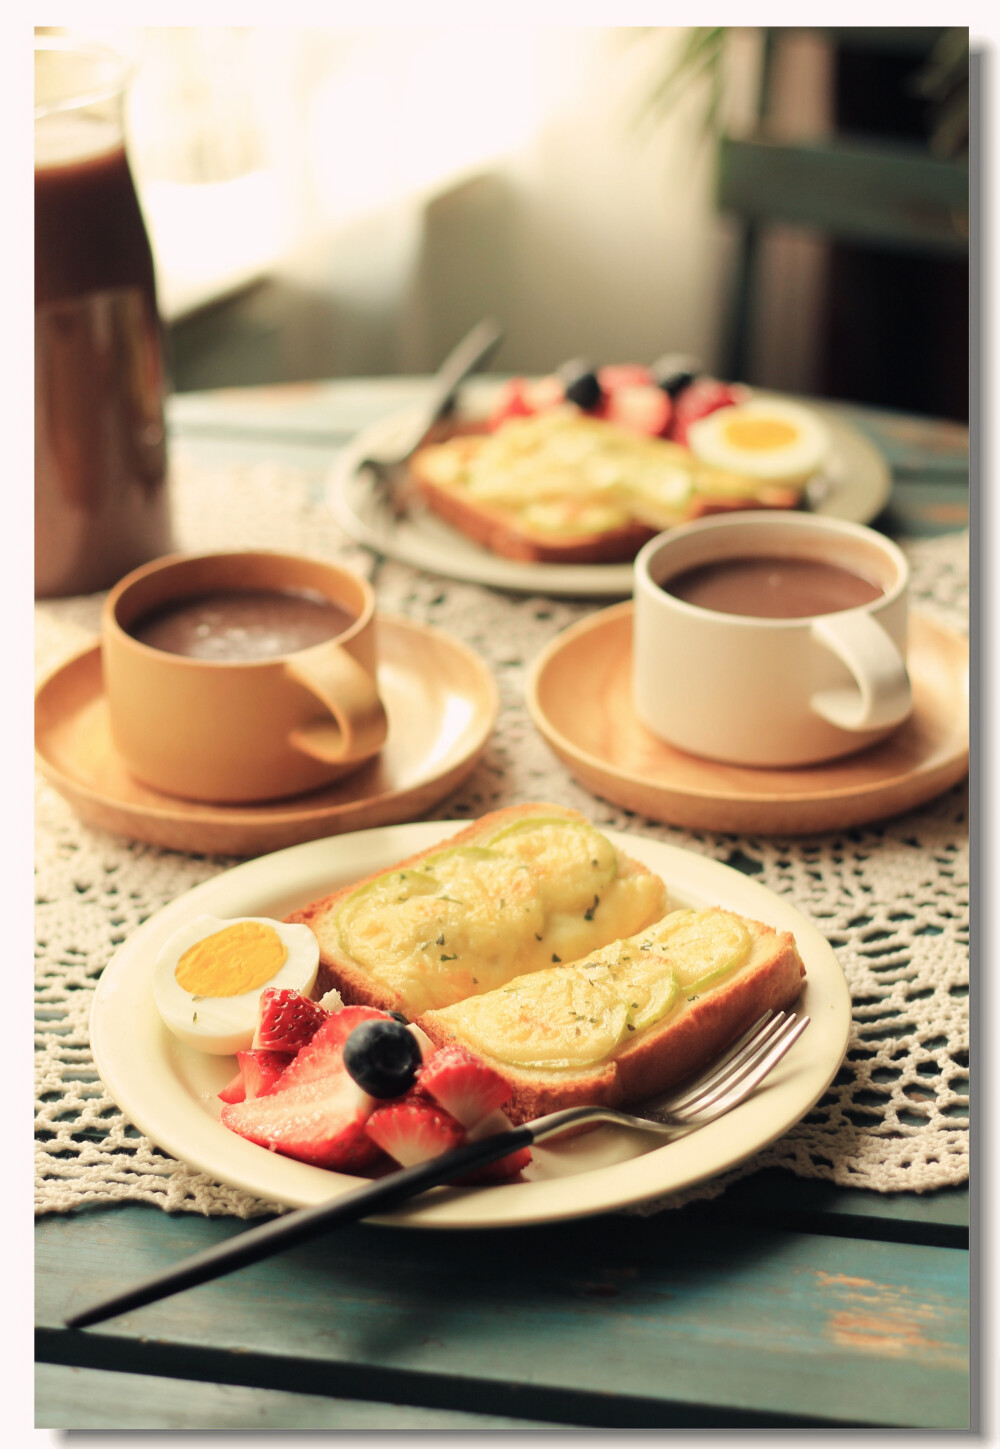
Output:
x=305 y=1223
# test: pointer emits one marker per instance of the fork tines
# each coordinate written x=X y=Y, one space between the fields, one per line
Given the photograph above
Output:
x=748 y=1061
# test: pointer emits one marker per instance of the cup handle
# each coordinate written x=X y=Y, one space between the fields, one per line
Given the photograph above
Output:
x=883 y=697
x=356 y=725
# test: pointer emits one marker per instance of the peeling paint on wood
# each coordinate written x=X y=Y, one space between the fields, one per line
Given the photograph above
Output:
x=888 y=1320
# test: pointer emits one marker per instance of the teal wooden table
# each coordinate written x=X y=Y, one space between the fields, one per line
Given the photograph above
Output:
x=785 y=1302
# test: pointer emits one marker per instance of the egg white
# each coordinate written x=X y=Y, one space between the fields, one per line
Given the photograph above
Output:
x=222 y=1025
x=792 y=461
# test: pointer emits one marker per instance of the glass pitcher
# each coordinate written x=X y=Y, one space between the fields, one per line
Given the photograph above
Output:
x=100 y=443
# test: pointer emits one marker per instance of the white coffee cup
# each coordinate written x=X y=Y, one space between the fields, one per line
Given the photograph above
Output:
x=770 y=691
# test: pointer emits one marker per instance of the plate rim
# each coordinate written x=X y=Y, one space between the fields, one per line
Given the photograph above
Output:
x=601 y=619
x=595 y=580
x=249 y=814
x=611 y=1187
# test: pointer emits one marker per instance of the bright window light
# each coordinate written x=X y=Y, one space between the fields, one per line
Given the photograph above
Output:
x=418 y=108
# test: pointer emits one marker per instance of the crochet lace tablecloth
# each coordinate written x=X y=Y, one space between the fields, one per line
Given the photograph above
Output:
x=892 y=898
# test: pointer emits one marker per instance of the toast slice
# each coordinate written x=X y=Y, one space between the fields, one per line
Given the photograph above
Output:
x=520 y=889
x=632 y=1018
x=562 y=487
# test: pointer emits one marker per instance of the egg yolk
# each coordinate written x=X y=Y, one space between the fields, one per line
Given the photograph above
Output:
x=758 y=435
x=239 y=958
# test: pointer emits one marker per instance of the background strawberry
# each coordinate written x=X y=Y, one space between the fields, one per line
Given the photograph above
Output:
x=641 y=409
x=703 y=396
x=512 y=402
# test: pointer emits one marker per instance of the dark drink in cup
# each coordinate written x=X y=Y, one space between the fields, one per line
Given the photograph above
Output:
x=100 y=450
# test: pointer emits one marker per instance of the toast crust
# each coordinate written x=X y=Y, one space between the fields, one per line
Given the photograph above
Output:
x=668 y=1052
x=356 y=986
x=503 y=532
x=500 y=531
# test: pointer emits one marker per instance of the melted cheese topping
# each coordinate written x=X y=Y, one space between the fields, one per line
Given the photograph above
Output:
x=562 y=472
x=575 y=1016
x=471 y=918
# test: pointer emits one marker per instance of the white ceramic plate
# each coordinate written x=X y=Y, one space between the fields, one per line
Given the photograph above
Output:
x=854 y=486
x=168 y=1089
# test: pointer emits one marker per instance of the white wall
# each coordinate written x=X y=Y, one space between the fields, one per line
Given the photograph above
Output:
x=592 y=238
x=581 y=233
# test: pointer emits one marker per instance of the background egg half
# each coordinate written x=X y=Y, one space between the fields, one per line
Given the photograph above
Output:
x=209 y=976
x=767 y=439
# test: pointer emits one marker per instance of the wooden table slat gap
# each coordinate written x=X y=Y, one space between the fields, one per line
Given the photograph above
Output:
x=88 y=1399
x=554 y=1406
x=822 y=1224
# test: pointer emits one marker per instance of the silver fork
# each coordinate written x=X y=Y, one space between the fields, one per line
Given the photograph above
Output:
x=728 y=1082
x=386 y=466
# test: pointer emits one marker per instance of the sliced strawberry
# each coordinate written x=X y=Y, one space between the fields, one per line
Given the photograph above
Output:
x=321 y=1122
x=504 y=1170
x=507 y=1167
x=412 y=1129
x=261 y=1070
x=286 y=1020
x=323 y=1056
x=623 y=374
x=543 y=393
x=512 y=402
x=234 y=1090
x=641 y=409
x=462 y=1084
x=703 y=396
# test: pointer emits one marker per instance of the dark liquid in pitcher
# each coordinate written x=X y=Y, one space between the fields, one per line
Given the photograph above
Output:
x=100 y=453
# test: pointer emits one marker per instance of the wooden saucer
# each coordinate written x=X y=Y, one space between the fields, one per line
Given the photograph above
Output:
x=580 y=699
x=442 y=705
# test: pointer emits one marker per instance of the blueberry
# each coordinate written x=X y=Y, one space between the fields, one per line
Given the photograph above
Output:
x=382 y=1057
x=674 y=372
x=580 y=384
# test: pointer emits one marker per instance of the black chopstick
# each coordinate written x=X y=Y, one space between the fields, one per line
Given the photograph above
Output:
x=305 y=1223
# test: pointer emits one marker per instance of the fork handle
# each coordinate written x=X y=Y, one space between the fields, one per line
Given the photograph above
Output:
x=306 y=1223
x=470 y=352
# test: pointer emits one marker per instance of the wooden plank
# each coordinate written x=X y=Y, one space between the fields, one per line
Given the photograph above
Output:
x=811 y=1205
x=611 y=1322
x=75 y=1398
x=890 y=195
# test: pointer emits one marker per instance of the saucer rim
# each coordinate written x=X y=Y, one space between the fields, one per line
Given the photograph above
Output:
x=953 y=765
x=286 y=811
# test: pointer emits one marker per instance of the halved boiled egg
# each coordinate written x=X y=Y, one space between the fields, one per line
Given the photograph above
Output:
x=766 y=438
x=209 y=976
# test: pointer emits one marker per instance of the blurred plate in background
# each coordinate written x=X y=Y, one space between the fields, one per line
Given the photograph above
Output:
x=854 y=486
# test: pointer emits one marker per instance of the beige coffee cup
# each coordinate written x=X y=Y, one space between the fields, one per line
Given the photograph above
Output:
x=241 y=730
x=770 y=691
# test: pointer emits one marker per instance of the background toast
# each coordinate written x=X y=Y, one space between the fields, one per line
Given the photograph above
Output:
x=504 y=531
